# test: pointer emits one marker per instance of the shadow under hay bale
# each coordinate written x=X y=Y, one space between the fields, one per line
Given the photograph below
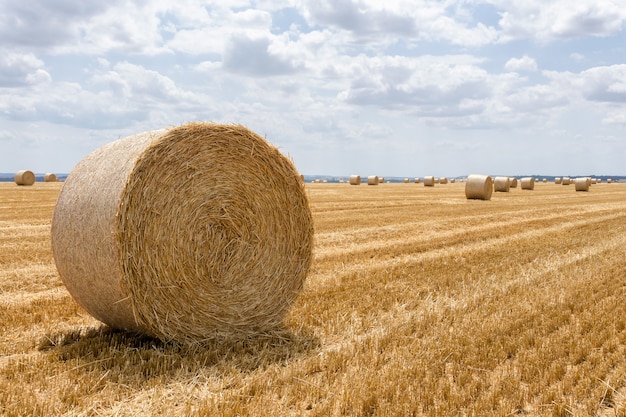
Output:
x=185 y=233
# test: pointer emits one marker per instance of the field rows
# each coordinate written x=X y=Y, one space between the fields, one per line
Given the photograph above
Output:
x=418 y=302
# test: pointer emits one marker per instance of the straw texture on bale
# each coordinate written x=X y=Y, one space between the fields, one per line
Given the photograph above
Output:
x=372 y=180
x=24 y=177
x=557 y=180
x=582 y=184
x=513 y=182
x=429 y=181
x=566 y=181
x=355 y=180
x=501 y=184
x=50 y=177
x=443 y=180
x=528 y=183
x=185 y=233
x=478 y=187
x=417 y=180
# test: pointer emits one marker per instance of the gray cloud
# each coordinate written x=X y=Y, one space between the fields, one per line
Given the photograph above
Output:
x=247 y=56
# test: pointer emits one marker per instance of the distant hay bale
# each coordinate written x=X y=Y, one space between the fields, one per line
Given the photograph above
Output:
x=429 y=181
x=318 y=181
x=478 y=187
x=557 y=180
x=609 y=180
x=50 y=177
x=443 y=180
x=566 y=181
x=417 y=180
x=355 y=180
x=372 y=180
x=185 y=233
x=513 y=182
x=544 y=180
x=582 y=184
x=24 y=177
x=452 y=180
x=501 y=184
x=406 y=181
x=594 y=180
x=381 y=180
x=527 y=183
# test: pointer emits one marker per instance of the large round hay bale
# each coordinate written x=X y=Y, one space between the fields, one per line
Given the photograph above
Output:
x=185 y=233
x=527 y=183
x=24 y=177
x=50 y=177
x=501 y=184
x=429 y=181
x=372 y=180
x=355 y=180
x=582 y=184
x=478 y=187
x=513 y=182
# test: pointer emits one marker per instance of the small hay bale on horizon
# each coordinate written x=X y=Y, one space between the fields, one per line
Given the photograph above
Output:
x=513 y=182
x=429 y=181
x=557 y=180
x=582 y=184
x=417 y=180
x=50 y=177
x=372 y=180
x=184 y=239
x=24 y=177
x=527 y=183
x=478 y=187
x=501 y=184
x=355 y=180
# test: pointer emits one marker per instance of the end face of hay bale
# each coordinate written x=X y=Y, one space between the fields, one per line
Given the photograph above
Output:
x=478 y=187
x=372 y=180
x=429 y=181
x=501 y=184
x=24 y=177
x=443 y=180
x=174 y=233
x=528 y=183
x=513 y=182
x=355 y=180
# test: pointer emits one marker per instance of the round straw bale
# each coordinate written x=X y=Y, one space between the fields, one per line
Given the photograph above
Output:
x=609 y=180
x=406 y=181
x=417 y=180
x=24 y=177
x=50 y=177
x=582 y=184
x=185 y=233
x=501 y=184
x=566 y=181
x=429 y=181
x=513 y=182
x=372 y=180
x=452 y=180
x=355 y=180
x=557 y=180
x=528 y=183
x=443 y=180
x=478 y=187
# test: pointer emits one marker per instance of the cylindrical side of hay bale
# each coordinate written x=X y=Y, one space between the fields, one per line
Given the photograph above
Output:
x=528 y=183
x=355 y=180
x=50 y=177
x=566 y=181
x=609 y=180
x=417 y=180
x=478 y=187
x=557 y=180
x=24 y=177
x=582 y=184
x=501 y=184
x=372 y=180
x=452 y=180
x=185 y=233
x=443 y=180
x=513 y=182
x=429 y=181
x=381 y=180
x=406 y=181
x=594 y=180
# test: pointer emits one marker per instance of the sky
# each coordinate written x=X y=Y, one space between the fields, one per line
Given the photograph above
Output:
x=368 y=87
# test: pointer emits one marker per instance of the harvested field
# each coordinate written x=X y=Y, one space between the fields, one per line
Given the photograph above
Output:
x=419 y=302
